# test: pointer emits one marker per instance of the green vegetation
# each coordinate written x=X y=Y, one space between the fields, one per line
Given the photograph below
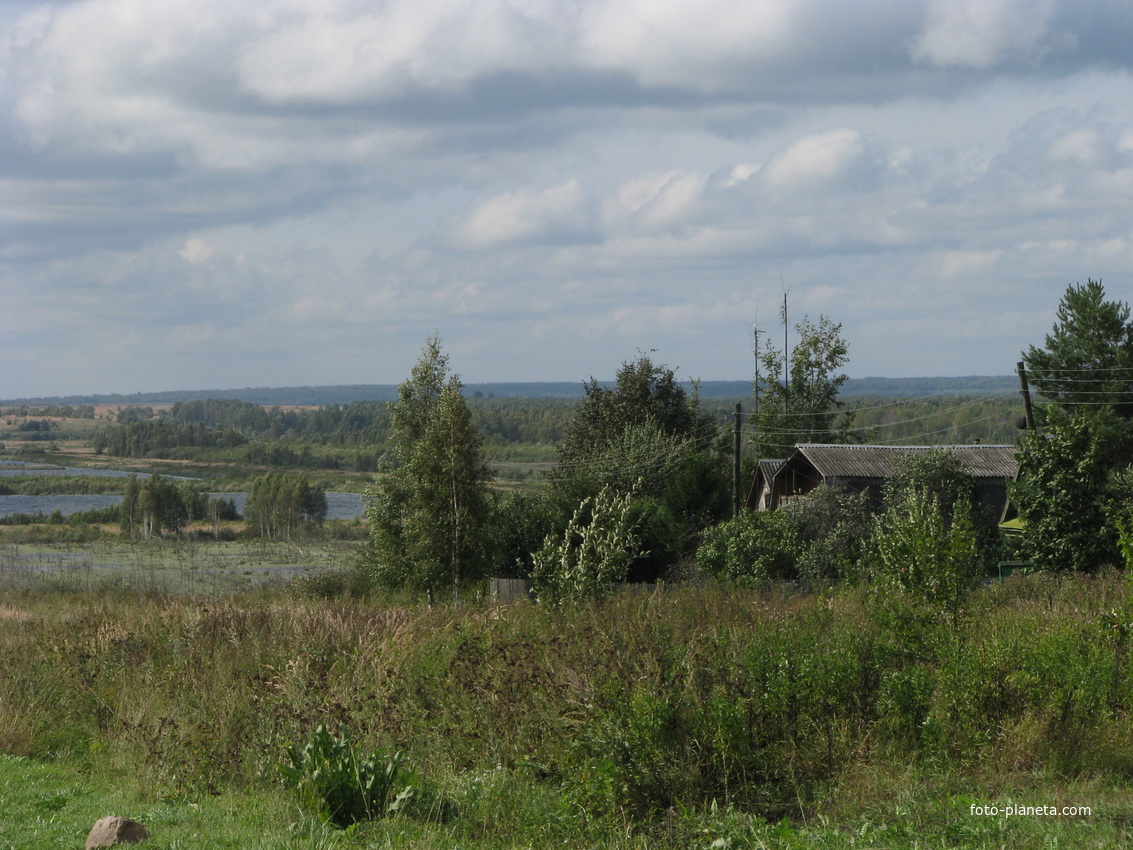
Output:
x=343 y=786
x=1088 y=358
x=645 y=439
x=835 y=674
x=677 y=718
x=594 y=554
x=797 y=394
x=429 y=514
x=282 y=506
x=1084 y=441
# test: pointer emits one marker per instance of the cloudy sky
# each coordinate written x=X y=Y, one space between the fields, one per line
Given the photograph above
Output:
x=207 y=194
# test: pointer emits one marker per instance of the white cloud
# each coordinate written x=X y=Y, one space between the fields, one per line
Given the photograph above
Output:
x=196 y=250
x=656 y=202
x=553 y=214
x=983 y=33
x=563 y=178
x=816 y=159
x=675 y=43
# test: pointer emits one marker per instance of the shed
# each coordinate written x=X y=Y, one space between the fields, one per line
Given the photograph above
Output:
x=857 y=468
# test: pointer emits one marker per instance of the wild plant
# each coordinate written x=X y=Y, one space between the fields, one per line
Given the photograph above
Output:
x=348 y=787
x=594 y=554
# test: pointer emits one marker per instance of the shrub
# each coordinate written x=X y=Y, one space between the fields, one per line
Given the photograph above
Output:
x=594 y=553
x=754 y=547
x=915 y=550
x=347 y=788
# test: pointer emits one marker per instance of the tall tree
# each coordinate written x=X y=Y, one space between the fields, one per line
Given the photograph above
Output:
x=1086 y=370
x=281 y=505
x=1088 y=355
x=803 y=407
x=428 y=512
x=645 y=436
x=1062 y=496
x=643 y=427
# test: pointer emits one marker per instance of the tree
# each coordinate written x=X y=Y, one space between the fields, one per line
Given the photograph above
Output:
x=636 y=429
x=754 y=547
x=428 y=512
x=647 y=436
x=280 y=505
x=804 y=407
x=916 y=549
x=594 y=552
x=1062 y=492
x=155 y=506
x=1088 y=358
x=1066 y=466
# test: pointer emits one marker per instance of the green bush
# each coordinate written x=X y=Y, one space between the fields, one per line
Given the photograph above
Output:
x=594 y=553
x=917 y=551
x=347 y=788
x=754 y=547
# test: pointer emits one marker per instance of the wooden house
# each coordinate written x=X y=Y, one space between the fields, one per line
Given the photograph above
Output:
x=856 y=468
x=759 y=494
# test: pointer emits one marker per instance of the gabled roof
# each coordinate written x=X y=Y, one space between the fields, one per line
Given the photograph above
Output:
x=769 y=467
x=841 y=461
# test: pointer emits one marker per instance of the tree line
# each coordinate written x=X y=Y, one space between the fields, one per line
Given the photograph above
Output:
x=639 y=490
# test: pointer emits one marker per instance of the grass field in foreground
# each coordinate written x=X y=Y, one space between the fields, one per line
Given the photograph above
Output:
x=46 y=807
x=707 y=717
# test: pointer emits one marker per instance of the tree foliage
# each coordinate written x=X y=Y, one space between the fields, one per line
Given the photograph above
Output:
x=645 y=435
x=428 y=512
x=752 y=548
x=804 y=407
x=594 y=552
x=636 y=431
x=1064 y=470
x=1067 y=465
x=281 y=506
x=1088 y=355
x=158 y=505
x=918 y=549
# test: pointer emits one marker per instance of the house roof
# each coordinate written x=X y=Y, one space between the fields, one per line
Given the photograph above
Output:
x=769 y=467
x=842 y=461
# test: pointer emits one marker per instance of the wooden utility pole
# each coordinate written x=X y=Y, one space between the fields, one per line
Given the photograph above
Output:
x=736 y=434
x=786 y=363
x=755 y=388
x=1025 y=391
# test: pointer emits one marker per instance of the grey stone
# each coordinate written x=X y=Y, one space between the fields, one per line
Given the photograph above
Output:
x=112 y=831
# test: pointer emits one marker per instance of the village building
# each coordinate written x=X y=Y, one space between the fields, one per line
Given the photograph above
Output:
x=858 y=467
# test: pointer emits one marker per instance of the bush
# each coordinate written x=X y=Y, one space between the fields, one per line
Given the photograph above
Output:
x=836 y=526
x=347 y=788
x=753 y=548
x=594 y=553
x=915 y=550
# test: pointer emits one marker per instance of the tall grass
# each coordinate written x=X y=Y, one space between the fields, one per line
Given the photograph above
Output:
x=629 y=711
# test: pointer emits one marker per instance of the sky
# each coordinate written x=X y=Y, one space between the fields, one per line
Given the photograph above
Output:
x=207 y=194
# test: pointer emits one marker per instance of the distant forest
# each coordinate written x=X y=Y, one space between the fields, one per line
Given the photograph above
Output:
x=347 y=394
x=513 y=428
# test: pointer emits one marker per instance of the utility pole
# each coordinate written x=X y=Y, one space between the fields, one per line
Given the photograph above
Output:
x=786 y=363
x=755 y=415
x=736 y=435
x=1025 y=391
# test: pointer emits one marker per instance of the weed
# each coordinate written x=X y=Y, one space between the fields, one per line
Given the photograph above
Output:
x=348 y=788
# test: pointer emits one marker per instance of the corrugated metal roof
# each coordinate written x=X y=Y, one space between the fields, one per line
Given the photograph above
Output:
x=834 y=461
x=769 y=467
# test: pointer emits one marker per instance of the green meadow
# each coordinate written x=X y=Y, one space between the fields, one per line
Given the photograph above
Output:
x=705 y=716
